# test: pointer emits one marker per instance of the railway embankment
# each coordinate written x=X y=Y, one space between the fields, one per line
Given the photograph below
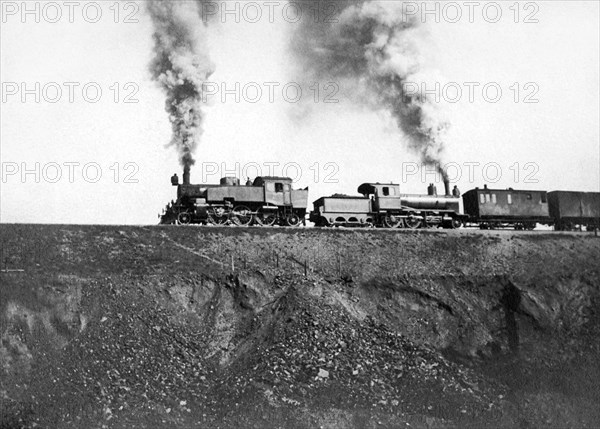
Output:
x=121 y=326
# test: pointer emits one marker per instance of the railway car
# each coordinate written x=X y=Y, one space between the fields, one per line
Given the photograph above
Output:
x=265 y=201
x=570 y=209
x=497 y=208
x=382 y=205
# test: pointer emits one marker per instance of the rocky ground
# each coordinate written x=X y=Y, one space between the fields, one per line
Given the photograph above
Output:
x=121 y=327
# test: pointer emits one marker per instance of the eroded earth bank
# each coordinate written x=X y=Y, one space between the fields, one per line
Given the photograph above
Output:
x=127 y=327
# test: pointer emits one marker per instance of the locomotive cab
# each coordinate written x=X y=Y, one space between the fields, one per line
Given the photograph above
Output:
x=278 y=190
x=384 y=196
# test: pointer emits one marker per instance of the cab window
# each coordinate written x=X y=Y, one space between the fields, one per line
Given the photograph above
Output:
x=543 y=197
x=509 y=198
x=482 y=198
x=278 y=187
x=386 y=191
x=494 y=198
x=487 y=198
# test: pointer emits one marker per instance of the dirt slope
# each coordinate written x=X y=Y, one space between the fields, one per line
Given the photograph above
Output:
x=230 y=327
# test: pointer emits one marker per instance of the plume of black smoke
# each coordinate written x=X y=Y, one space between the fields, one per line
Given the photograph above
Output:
x=372 y=45
x=181 y=65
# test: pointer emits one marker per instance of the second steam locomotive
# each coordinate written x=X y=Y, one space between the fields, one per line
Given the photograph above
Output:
x=382 y=205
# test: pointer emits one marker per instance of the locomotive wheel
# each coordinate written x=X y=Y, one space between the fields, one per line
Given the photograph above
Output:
x=265 y=218
x=292 y=219
x=412 y=222
x=218 y=216
x=391 y=221
x=456 y=223
x=241 y=216
x=184 y=218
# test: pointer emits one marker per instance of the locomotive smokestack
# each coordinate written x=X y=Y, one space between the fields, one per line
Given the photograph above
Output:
x=186 y=175
x=447 y=187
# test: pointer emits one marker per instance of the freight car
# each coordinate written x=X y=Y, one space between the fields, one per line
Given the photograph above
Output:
x=570 y=210
x=266 y=201
x=382 y=205
x=500 y=208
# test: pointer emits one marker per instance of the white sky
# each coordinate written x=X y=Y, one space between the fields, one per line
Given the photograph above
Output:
x=559 y=134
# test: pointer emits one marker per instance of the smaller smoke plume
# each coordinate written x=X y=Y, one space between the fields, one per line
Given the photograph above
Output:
x=181 y=65
x=373 y=47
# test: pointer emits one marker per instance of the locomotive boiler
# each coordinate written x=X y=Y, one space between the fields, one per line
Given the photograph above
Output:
x=265 y=201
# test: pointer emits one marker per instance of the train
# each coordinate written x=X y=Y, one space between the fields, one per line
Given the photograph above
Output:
x=270 y=201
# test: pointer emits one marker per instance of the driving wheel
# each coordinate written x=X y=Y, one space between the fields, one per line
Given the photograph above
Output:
x=412 y=222
x=241 y=216
x=266 y=217
x=391 y=221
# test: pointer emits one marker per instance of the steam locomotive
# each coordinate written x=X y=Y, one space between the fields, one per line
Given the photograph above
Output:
x=271 y=201
x=382 y=205
x=266 y=201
